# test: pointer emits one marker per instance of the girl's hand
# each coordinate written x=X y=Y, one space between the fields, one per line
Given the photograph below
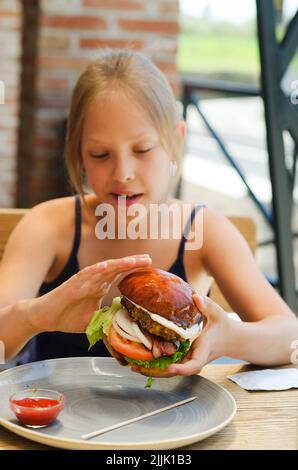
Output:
x=210 y=344
x=69 y=307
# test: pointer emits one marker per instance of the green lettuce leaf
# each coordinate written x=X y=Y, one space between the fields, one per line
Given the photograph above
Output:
x=149 y=382
x=101 y=322
x=164 y=361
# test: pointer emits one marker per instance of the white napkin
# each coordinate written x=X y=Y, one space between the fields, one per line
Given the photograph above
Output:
x=267 y=379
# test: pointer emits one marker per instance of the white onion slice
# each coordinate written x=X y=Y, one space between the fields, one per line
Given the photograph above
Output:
x=145 y=339
x=125 y=322
x=124 y=334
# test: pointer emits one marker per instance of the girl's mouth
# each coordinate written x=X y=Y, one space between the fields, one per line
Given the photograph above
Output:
x=125 y=200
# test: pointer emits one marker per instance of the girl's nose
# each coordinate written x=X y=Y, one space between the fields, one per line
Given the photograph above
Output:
x=123 y=171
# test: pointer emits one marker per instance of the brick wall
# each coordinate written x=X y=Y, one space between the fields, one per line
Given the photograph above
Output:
x=59 y=37
x=10 y=50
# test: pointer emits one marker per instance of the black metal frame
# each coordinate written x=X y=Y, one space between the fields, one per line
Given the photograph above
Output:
x=280 y=115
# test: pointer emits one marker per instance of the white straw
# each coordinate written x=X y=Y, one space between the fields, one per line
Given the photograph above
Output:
x=138 y=418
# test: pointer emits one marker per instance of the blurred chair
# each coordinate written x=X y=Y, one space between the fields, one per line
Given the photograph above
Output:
x=8 y=220
x=247 y=228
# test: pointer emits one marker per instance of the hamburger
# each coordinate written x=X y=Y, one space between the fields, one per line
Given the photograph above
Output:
x=152 y=324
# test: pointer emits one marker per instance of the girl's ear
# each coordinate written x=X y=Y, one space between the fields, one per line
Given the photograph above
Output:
x=181 y=131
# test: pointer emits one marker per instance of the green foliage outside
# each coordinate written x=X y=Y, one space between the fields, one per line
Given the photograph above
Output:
x=220 y=49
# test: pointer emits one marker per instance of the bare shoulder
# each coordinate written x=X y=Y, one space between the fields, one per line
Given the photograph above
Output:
x=212 y=219
x=228 y=258
x=41 y=224
x=32 y=249
x=53 y=207
x=220 y=232
x=221 y=241
x=56 y=213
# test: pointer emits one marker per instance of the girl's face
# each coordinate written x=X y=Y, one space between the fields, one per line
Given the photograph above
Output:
x=122 y=152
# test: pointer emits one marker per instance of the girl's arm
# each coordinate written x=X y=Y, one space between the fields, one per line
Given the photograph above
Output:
x=267 y=342
x=68 y=308
x=29 y=253
x=227 y=257
x=269 y=329
x=15 y=329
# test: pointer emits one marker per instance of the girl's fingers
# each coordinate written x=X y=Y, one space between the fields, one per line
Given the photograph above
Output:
x=114 y=265
x=191 y=367
x=112 y=278
x=207 y=307
x=127 y=263
x=104 y=288
x=92 y=277
x=113 y=271
x=194 y=364
x=134 y=259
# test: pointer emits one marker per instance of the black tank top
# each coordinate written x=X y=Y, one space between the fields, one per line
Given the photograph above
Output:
x=53 y=345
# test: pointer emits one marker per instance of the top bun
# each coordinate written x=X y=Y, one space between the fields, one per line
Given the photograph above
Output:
x=162 y=293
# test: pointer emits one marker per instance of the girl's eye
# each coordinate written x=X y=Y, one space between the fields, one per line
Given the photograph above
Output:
x=144 y=150
x=98 y=156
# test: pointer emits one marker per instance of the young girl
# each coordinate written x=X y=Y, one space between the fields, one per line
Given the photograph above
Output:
x=125 y=138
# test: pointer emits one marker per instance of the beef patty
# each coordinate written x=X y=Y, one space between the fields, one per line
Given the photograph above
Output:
x=139 y=315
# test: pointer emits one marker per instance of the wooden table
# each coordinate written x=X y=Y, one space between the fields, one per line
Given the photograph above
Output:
x=264 y=420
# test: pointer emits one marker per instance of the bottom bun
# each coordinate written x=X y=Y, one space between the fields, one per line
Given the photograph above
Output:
x=153 y=371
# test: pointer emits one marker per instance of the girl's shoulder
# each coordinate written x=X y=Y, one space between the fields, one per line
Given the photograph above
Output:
x=61 y=214
x=212 y=218
x=211 y=226
x=59 y=203
x=56 y=211
x=216 y=224
x=55 y=216
x=222 y=239
x=38 y=236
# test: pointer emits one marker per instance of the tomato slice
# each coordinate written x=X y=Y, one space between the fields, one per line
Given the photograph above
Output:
x=129 y=348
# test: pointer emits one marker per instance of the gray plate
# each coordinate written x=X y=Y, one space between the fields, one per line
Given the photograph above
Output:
x=99 y=393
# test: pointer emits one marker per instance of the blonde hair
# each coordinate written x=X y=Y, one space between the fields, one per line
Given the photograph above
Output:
x=135 y=74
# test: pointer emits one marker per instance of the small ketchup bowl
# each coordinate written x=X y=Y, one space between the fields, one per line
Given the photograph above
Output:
x=36 y=408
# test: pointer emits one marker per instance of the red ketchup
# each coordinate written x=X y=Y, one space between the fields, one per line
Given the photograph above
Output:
x=36 y=411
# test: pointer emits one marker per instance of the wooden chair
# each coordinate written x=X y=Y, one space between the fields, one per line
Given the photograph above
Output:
x=8 y=220
x=10 y=217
